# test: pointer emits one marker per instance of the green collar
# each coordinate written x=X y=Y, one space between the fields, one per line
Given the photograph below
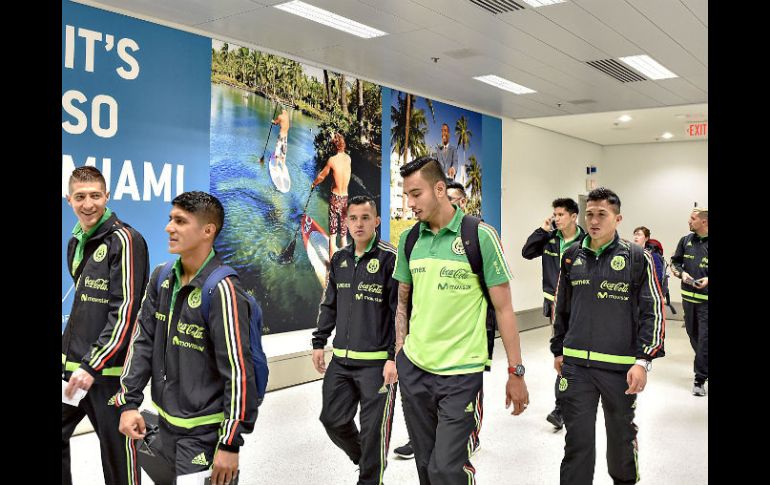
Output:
x=368 y=247
x=178 y=269
x=454 y=224
x=77 y=231
x=561 y=236
x=598 y=252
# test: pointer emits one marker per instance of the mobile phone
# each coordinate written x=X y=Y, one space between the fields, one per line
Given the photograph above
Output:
x=553 y=224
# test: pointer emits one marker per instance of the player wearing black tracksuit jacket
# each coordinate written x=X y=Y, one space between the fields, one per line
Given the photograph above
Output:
x=360 y=301
x=109 y=269
x=691 y=263
x=202 y=377
x=607 y=319
x=550 y=246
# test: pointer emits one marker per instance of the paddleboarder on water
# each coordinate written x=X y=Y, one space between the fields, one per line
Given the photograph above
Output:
x=339 y=165
x=281 y=146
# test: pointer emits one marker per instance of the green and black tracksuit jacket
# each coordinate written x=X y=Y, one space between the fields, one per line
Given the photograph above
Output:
x=109 y=267
x=360 y=299
x=202 y=372
x=602 y=318
x=692 y=256
x=551 y=246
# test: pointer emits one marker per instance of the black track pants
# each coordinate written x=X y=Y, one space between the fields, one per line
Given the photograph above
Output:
x=581 y=389
x=440 y=415
x=696 y=320
x=344 y=387
x=118 y=453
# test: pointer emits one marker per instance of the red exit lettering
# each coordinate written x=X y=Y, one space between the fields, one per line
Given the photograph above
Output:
x=697 y=129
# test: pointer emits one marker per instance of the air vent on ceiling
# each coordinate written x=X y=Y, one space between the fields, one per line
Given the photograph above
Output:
x=498 y=6
x=613 y=68
x=581 y=101
x=462 y=53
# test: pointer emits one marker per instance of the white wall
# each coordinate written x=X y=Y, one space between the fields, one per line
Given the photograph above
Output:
x=538 y=167
x=657 y=184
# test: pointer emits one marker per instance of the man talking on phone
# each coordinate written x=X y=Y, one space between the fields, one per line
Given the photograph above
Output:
x=691 y=264
x=558 y=232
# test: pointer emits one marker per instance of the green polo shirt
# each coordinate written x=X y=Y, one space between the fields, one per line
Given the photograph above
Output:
x=447 y=327
x=82 y=237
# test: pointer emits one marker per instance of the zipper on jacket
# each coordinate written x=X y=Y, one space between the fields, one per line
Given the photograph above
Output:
x=350 y=307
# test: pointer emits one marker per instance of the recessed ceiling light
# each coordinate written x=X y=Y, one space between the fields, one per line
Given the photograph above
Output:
x=648 y=66
x=505 y=84
x=542 y=3
x=330 y=19
x=667 y=135
x=625 y=118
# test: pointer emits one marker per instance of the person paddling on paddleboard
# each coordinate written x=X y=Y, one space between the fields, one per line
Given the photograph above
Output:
x=281 y=146
x=339 y=165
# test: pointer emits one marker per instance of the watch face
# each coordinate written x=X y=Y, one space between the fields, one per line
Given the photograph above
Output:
x=519 y=371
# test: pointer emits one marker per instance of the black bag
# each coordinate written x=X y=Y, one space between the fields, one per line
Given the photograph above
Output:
x=148 y=452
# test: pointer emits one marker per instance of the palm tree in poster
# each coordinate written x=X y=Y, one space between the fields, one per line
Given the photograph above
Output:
x=474 y=184
x=407 y=135
x=463 y=136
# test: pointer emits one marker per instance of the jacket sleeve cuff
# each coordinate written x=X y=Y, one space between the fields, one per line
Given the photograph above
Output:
x=129 y=406
x=90 y=370
x=317 y=345
x=230 y=448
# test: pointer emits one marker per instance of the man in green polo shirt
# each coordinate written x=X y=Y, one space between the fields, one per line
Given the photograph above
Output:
x=443 y=336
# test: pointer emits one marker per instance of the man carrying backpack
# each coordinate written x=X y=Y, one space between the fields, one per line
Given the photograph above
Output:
x=558 y=232
x=203 y=377
x=360 y=301
x=444 y=335
x=608 y=326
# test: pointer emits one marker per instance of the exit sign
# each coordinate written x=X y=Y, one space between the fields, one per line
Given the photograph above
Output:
x=697 y=129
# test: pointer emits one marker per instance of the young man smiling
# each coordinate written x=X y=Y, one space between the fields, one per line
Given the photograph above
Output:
x=202 y=376
x=108 y=262
x=360 y=301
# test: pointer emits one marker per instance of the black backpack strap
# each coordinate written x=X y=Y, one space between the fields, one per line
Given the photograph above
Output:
x=469 y=233
x=163 y=275
x=208 y=287
x=411 y=240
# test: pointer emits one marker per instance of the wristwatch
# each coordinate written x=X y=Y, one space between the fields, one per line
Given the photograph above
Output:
x=644 y=363
x=517 y=371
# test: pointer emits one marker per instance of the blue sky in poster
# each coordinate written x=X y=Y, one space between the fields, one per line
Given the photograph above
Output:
x=449 y=114
x=153 y=128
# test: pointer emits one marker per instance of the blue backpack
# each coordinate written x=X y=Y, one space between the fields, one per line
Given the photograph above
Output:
x=255 y=322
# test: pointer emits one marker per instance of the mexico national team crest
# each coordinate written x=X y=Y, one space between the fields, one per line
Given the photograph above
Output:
x=457 y=246
x=563 y=384
x=618 y=263
x=100 y=253
x=373 y=265
x=194 y=299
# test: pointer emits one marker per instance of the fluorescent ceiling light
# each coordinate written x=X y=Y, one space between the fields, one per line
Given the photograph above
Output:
x=648 y=66
x=667 y=136
x=625 y=119
x=542 y=3
x=330 y=19
x=505 y=84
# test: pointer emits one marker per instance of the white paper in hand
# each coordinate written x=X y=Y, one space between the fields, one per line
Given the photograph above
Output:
x=79 y=394
x=193 y=478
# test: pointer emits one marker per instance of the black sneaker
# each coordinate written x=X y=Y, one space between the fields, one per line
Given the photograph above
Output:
x=406 y=452
x=699 y=389
x=556 y=419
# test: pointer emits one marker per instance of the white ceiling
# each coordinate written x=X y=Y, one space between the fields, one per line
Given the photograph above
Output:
x=646 y=125
x=545 y=49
